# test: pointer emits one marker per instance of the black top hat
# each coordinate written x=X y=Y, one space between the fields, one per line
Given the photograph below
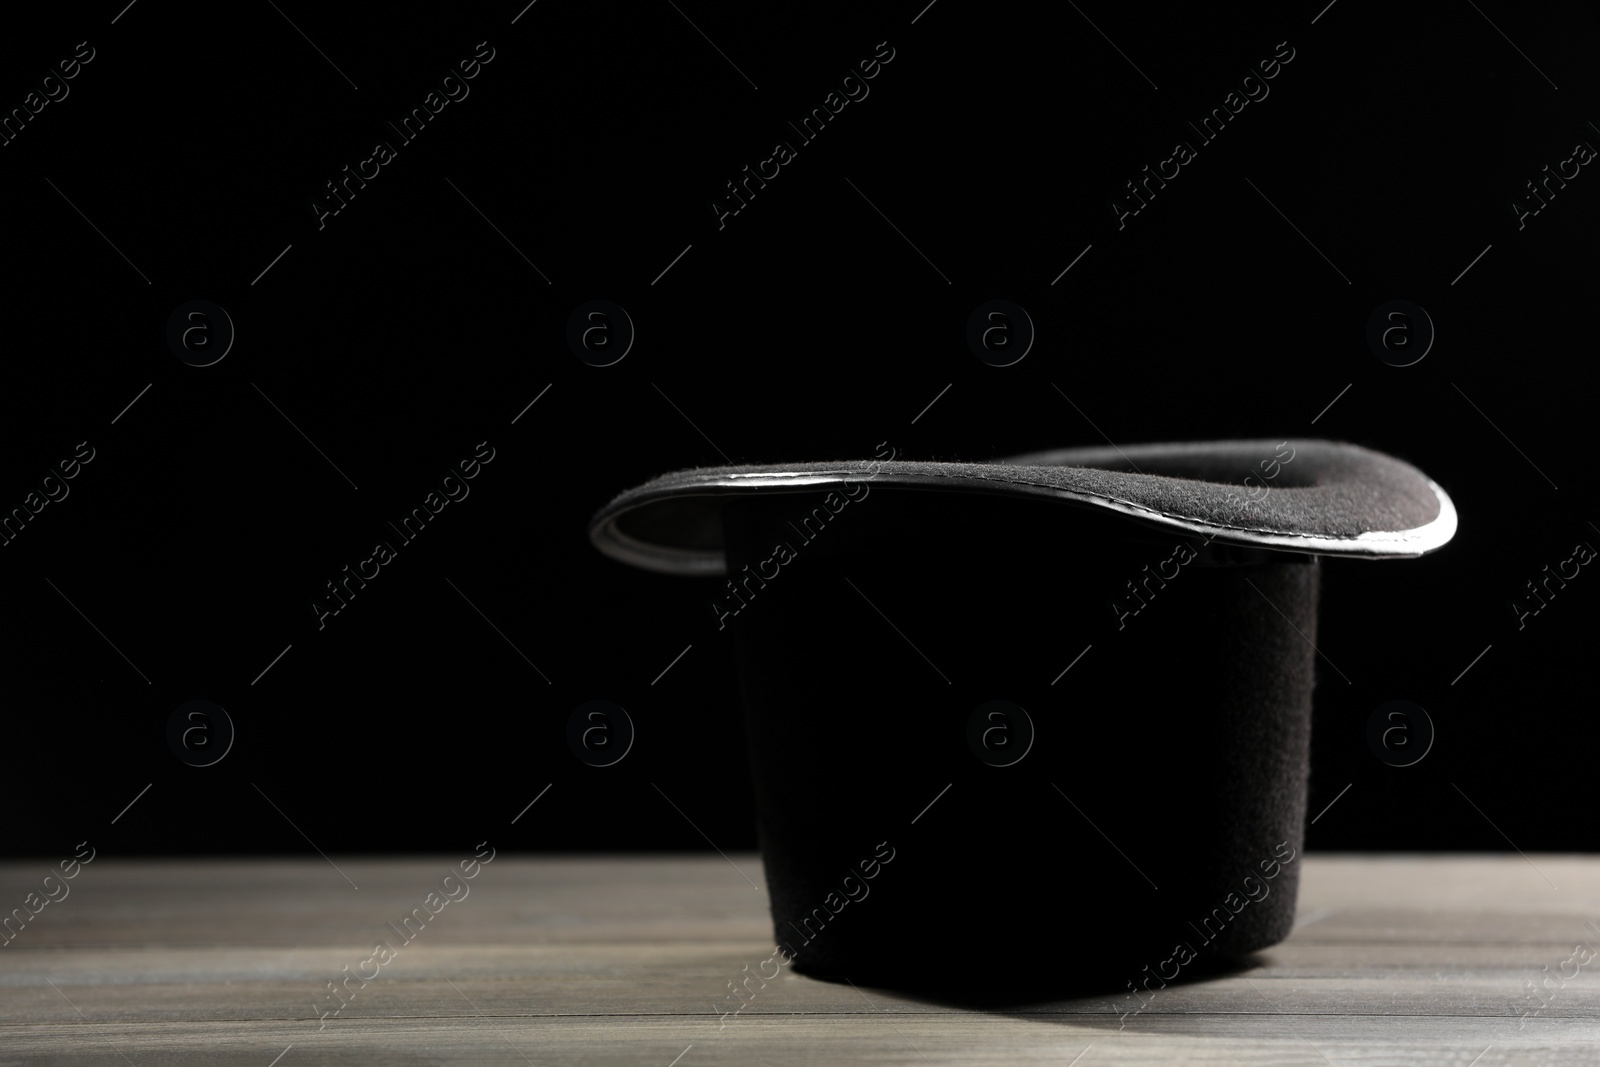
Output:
x=1315 y=497
x=1154 y=801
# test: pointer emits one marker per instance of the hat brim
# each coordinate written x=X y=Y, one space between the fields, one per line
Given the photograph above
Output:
x=1312 y=497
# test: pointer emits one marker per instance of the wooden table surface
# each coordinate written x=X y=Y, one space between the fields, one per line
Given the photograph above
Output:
x=566 y=961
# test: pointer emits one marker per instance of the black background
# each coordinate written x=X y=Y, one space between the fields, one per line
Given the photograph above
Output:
x=816 y=323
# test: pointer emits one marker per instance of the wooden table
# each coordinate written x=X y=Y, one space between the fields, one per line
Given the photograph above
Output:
x=556 y=961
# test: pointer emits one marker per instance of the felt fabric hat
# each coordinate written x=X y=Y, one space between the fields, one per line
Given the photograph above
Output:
x=1317 y=497
x=1045 y=717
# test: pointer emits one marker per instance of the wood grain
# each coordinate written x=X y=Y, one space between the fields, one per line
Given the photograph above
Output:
x=582 y=960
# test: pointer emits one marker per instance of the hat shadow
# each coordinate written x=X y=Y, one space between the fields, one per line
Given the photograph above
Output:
x=1033 y=996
